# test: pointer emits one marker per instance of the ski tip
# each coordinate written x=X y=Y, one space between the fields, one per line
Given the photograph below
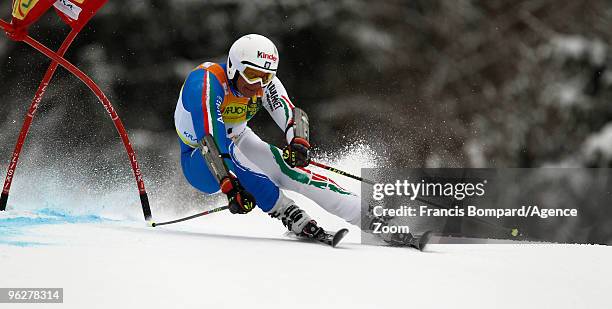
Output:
x=338 y=237
x=424 y=240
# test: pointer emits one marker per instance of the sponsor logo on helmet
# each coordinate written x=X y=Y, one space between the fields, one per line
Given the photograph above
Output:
x=264 y=55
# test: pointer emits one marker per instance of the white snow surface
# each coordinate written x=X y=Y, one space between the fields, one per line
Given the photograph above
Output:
x=245 y=261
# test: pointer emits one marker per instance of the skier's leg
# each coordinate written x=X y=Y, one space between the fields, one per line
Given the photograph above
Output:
x=273 y=201
x=198 y=174
x=196 y=171
x=251 y=153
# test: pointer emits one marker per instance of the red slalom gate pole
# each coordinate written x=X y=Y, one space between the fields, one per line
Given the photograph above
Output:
x=40 y=92
x=107 y=105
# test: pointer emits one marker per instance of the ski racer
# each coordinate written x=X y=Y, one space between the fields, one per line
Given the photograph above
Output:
x=219 y=152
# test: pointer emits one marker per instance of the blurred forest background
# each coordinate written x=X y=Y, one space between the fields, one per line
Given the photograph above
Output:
x=423 y=83
x=426 y=83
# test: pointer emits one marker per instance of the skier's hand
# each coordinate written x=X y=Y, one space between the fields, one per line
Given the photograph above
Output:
x=297 y=153
x=240 y=201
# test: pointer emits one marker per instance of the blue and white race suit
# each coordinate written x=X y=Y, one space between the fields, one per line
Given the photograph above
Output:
x=209 y=104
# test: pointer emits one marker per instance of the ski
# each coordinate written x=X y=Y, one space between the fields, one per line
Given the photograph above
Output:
x=325 y=237
x=420 y=242
x=332 y=239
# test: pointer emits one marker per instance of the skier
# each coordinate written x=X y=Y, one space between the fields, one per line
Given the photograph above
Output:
x=219 y=152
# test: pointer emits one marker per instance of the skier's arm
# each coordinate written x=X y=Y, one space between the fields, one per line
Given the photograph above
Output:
x=199 y=124
x=277 y=103
x=197 y=113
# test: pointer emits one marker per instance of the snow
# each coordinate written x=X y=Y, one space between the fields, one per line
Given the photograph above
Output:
x=231 y=261
x=224 y=261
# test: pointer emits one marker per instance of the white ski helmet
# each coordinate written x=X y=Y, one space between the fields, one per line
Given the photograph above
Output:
x=254 y=51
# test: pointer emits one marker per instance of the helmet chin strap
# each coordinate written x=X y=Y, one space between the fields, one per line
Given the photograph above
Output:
x=234 y=84
x=234 y=81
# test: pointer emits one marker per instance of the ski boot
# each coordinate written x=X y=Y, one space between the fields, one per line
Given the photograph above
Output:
x=297 y=221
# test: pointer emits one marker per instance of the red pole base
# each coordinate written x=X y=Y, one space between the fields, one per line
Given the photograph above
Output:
x=3 y=200
x=146 y=209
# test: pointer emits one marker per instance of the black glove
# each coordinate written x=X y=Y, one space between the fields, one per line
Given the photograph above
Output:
x=297 y=153
x=240 y=200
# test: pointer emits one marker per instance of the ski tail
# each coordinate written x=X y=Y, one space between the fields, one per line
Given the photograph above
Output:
x=420 y=242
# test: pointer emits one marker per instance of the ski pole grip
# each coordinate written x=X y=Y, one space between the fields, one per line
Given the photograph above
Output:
x=300 y=124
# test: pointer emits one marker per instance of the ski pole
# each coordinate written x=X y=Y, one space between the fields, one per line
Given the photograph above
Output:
x=513 y=231
x=370 y=182
x=154 y=224
x=343 y=173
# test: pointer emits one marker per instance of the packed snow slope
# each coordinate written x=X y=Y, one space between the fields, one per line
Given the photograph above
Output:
x=97 y=247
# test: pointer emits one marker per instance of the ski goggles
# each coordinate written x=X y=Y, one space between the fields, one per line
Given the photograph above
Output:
x=253 y=76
